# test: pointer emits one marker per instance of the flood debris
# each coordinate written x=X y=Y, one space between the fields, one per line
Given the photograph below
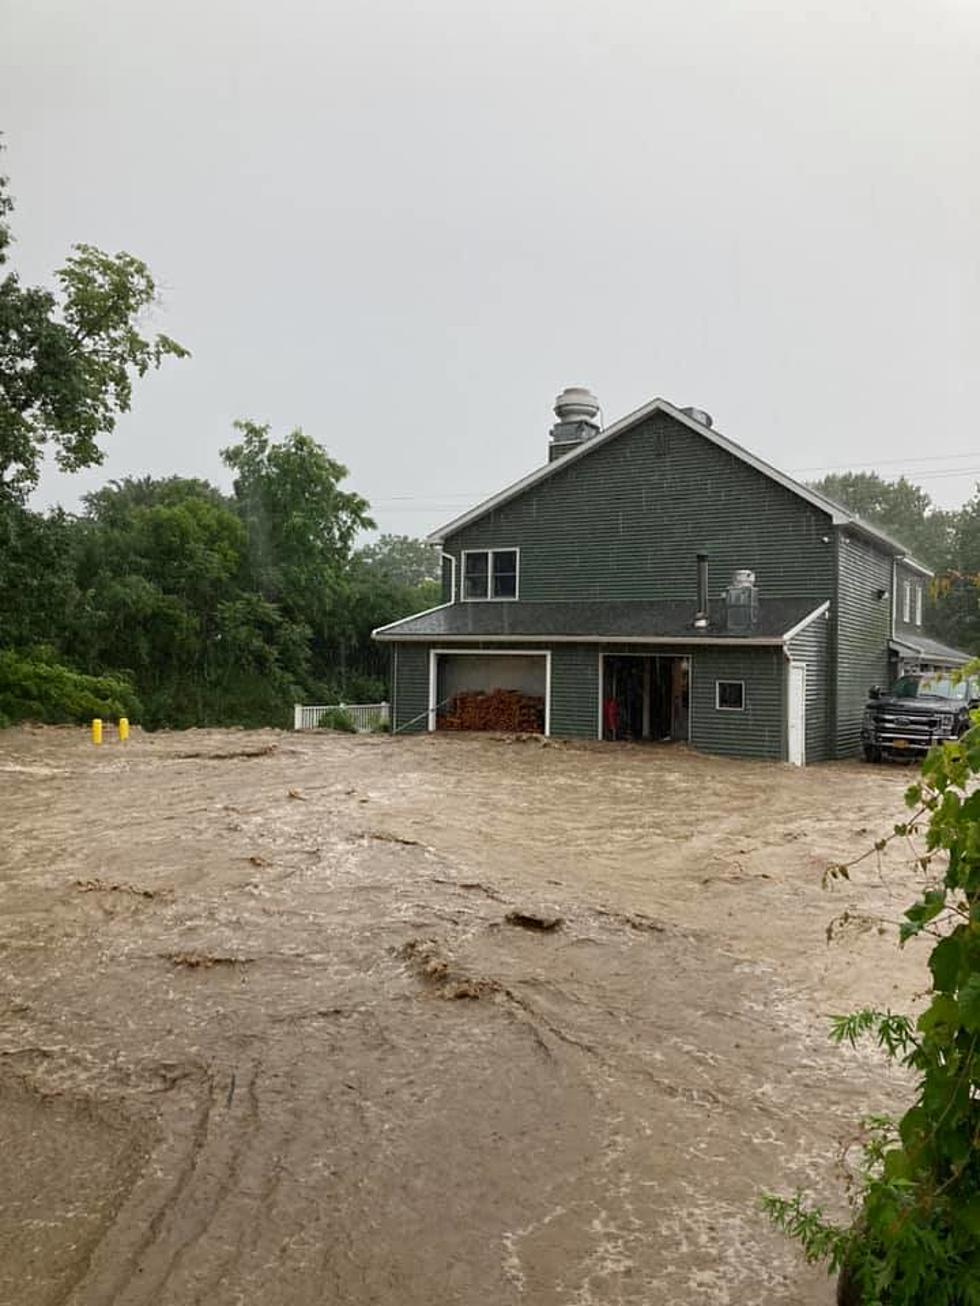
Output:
x=110 y=886
x=636 y=920
x=427 y=960
x=295 y=793
x=264 y=751
x=543 y=922
x=382 y=836
x=204 y=960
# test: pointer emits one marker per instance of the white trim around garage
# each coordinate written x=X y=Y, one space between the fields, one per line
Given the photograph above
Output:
x=435 y=653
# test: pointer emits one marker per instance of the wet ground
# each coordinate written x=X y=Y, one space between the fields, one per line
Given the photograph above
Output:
x=267 y=1036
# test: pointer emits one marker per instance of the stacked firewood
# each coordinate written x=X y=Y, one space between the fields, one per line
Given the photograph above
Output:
x=500 y=709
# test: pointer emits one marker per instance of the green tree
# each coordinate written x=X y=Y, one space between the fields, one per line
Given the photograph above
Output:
x=915 y=1236
x=402 y=560
x=899 y=508
x=68 y=361
x=301 y=525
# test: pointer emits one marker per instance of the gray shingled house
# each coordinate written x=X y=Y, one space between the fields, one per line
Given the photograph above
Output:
x=656 y=580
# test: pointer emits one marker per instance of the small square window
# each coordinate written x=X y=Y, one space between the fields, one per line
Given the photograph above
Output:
x=730 y=695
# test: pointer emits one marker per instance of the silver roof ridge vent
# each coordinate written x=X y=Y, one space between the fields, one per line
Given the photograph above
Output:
x=577 y=410
x=699 y=415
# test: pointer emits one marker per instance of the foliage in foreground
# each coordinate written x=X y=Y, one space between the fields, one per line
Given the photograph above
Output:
x=35 y=689
x=915 y=1237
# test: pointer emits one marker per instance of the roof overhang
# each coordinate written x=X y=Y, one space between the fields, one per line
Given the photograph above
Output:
x=386 y=633
x=930 y=652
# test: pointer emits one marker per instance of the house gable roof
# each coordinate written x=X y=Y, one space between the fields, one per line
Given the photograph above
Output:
x=838 y=514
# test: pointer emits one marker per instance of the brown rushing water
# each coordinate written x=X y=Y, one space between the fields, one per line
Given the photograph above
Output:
x=267 y=1037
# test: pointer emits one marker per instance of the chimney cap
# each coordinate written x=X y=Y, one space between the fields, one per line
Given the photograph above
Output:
x=577 y=403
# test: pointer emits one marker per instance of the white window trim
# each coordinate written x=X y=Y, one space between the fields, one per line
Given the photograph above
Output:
x=718 y=685
x=489 y=597
x=907 y=602
x=918 y=605
x=436 y=653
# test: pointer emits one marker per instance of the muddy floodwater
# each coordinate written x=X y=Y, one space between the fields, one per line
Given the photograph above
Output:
x=290 y=1020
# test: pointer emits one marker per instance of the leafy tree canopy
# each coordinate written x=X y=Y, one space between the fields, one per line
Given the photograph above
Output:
x=401 y=559
x=901 y=509
x=68 y=360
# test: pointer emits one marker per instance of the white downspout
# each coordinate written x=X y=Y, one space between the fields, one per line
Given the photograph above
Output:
x=452 y=574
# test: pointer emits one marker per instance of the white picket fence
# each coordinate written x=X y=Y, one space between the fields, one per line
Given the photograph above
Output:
x=366 y=716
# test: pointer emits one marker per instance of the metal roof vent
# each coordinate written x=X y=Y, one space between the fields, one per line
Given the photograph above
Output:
x=742 y=602
x=699 y=415
x=576 y=409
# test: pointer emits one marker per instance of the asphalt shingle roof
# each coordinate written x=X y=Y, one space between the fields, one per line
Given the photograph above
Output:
x=925 y=647
x=662 y=619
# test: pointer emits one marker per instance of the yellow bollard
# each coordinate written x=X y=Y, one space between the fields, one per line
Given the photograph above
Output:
x=123 y=729
x=96 y=730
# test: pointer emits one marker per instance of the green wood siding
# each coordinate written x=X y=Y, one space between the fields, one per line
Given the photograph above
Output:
x=575 y=691
x=626 y=521
x=758 y=731
x=863 y=628
x=812 y=647
x=410 y=687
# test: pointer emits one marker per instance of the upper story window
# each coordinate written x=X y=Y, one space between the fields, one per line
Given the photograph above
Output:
x=918 y=605
x=907 y=600
x=490 y=573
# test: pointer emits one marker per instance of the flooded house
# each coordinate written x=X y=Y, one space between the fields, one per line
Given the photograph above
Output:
x=654 y=580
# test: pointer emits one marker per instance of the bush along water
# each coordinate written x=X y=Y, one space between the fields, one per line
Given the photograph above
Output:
x=34 y=688
x=915 y=1235
x=337 y=718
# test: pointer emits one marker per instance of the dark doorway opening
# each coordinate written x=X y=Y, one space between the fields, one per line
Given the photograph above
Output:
x=645 y=697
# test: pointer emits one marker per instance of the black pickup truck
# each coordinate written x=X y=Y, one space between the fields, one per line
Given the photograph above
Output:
x=917 y=712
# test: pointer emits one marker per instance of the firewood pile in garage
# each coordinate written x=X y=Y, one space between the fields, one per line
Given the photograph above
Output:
x=498 y=709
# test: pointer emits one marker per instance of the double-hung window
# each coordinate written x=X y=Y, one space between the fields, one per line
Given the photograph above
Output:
x=490 y=573
x=907 y=601
x=918 y=605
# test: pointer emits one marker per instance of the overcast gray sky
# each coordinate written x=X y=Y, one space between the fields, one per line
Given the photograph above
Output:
x=405 y=226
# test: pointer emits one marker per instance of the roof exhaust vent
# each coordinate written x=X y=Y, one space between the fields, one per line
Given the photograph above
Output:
x=576 y=409
x=701 y=617
x=742 y=602
x=699 y=415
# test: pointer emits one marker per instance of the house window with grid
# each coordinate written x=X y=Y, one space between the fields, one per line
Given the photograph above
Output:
x=730 y=695
x=490 y=574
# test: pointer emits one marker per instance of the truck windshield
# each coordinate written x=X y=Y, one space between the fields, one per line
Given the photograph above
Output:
x=931 y=687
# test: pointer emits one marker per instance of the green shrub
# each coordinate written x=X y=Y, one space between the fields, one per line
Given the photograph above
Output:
x=915 y=1233
x=336 y=718
x=36 y=689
